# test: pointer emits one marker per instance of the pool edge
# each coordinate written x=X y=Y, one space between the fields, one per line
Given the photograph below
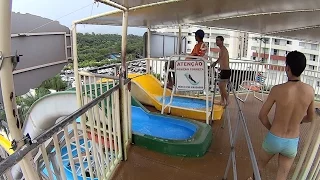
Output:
x=196 y=146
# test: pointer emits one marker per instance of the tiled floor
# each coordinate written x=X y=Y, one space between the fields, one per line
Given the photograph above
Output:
x=143 y=164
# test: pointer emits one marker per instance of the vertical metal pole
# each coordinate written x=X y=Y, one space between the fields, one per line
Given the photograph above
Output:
x=318 y=57
x=124 y=44
x=76 y=64
x=180 y=40
x=7 y=87
x=148 y=50
x=206 y=80
x=209 y=52
x=123 y=76
x=241 y=48
x=270 y=45
x=79 y=92
x=259 y=54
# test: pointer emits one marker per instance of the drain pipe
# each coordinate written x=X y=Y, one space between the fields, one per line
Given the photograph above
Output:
x=8 y=92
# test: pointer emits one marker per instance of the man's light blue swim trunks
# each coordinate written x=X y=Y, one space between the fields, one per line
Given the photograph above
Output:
x=273 y=144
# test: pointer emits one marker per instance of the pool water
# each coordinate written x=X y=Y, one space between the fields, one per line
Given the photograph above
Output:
x=161 y=126
x=183 y=102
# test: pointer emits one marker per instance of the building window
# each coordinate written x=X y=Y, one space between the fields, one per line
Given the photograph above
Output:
x=302 y=44
x=309 y=81
x=275 y=52
x=189 y=42
x=318 y=83
x=274 y=61
x=289 y=42
x=311 y=67
x=189 y=34
x=266 y=40
x=314 y=46
x=277 y=41
x=254 y=58
x=312 y=57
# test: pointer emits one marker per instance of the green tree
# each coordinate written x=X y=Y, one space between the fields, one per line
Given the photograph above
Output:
x=55 y=83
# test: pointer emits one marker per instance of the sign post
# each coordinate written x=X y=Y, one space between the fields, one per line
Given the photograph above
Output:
x=190 y=75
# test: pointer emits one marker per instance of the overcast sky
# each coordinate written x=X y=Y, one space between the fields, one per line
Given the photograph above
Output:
x=56 y=9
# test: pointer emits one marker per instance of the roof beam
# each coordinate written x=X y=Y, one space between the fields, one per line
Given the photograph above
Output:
x=295 y=29
x=260 y=14
x=112 y=4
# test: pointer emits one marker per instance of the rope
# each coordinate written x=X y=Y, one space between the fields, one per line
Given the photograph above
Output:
x=61 y=17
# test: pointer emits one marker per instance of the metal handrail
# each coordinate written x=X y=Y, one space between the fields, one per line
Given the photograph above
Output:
x=233 y=137
x=89 y=74
x=43 y=137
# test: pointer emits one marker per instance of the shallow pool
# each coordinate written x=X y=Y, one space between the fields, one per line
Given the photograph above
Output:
x=161 y=126
x=184 y=102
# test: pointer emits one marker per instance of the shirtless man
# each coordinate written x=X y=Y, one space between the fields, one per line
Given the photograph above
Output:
x=225 y=73
x=294 y=105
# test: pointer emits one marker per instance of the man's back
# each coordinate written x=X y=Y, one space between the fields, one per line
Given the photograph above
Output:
x=292 y=101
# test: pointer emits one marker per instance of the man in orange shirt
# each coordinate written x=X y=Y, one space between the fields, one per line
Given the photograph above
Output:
x=200 y=49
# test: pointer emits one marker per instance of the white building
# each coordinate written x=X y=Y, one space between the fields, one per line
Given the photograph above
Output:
x=274 y=50
x=236 y=42
x=278 y=48
x=245 y=46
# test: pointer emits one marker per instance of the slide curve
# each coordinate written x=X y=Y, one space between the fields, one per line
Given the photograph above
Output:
x=148 y=90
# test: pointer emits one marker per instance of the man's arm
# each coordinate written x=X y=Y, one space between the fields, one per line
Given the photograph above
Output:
x=310 y=113
x=263 y=115
x=221 y=54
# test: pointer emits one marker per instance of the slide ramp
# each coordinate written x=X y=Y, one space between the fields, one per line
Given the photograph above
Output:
x=148 y=90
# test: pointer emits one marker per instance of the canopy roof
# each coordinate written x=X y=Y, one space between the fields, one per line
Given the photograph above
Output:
x=297 y=19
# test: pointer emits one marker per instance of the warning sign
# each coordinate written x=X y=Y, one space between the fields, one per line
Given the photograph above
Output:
x=190 y=75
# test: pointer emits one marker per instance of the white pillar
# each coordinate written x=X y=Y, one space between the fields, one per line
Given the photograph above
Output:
x=148 y=50
x=7 y=87
x=180 y=40
x=124 y=43
x=76 y=64
x=123 y=76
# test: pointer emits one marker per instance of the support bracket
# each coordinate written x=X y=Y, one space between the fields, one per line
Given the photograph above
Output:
x=15 y=59
x=26 y=139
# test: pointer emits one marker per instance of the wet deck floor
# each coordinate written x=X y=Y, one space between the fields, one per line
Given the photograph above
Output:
x=143 y=164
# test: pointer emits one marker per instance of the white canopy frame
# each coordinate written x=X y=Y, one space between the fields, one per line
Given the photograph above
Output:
x=228 y=14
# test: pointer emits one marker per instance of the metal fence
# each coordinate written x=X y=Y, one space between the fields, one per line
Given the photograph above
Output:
x=87 y=143
x=94 y=145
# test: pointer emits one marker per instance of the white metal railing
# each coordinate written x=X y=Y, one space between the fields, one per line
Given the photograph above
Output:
x=92 y=147
x=308 y=166
x=241 y=71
